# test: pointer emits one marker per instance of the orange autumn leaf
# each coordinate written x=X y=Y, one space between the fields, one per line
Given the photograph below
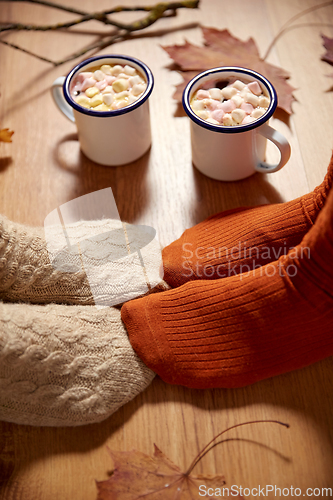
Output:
x=221 y=48
x=6 y=135
x=137 y=475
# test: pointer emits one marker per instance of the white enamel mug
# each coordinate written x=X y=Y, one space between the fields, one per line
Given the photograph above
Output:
x=230 y=153
x=108 y=137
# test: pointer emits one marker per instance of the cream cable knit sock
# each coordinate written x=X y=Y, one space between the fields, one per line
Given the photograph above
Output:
x=27 y=274
x=65 y=365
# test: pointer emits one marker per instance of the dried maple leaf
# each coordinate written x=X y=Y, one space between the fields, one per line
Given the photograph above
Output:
x=328 y=44
x=137 y=475
x=223 y=49
x=5 y=135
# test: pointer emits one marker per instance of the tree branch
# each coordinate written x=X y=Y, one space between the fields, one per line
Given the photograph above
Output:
x=155 y=12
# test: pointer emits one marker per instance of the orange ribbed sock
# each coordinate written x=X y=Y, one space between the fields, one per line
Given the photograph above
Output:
x=236 y=241
x=235 y=331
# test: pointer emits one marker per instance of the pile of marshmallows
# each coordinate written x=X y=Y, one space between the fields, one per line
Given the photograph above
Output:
x=107 y=87
x=236 y=104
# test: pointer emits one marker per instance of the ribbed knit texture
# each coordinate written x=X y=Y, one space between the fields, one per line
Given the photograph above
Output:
x=238 y=330
x=236 y=241
x=65 y=365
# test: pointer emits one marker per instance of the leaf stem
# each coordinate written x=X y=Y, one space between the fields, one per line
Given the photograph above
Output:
x=286 y=26
x=208 y=446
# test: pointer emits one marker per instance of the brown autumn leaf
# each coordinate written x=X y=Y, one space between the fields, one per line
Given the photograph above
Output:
x=6 y=135
x=328 y=56
x=137 y=475
x=221 y=48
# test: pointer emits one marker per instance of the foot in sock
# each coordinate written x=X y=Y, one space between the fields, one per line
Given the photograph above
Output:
x=64 y=365
x=238 y=330
x=235 y=241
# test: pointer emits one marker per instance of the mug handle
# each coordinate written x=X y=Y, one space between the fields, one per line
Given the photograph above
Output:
x=280 y=142
x=59 y=99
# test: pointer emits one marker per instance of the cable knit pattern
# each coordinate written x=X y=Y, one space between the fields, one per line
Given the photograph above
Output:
x=65 y=365
x=27 y=273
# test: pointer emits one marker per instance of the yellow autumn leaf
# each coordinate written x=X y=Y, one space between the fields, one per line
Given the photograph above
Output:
x=6 y=135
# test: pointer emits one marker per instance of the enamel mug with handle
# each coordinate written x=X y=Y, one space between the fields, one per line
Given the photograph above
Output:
x=231 y=153
x=114 y=137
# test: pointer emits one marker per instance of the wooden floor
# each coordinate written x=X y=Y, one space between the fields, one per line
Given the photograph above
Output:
x=44 y=168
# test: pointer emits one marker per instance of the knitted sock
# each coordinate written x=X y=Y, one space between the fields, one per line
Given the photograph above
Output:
x=235 y=241
x=28 y=275
x=65 y=365
x=235 y=331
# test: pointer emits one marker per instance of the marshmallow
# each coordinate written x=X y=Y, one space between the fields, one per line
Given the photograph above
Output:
x=228 y=92
x=83 y=101
x=120 y=85
x=102 y=107
x=248 y=108
x=108 y=99
x=131 y=98
x=238 y=100
x=238 y=115
x=135 y=79
x=244 y=91
x=238 y=85
x=123 y=75
x=110 y=79
x=198 y=105
x=92 y=91
x=96 y=100
x=228 y=106
x=88 y=82
x=101 y=85
x=202 y=114
x=218 y=115
x=227 y=120
x=138 y=89
x=121 y=103
x=252 y=99
x=263 y=101
x=129 y=70
x=115 y=70
x=211 y=104
x=215 y=94
x=255 y=88
x=106 y=68
x=248 y=119
x=99 y=75
x=86 y=74
x=203 y=94
x=82 y=76
x=108 y=90
x=258 y=112
x=122 y=95
x=212 y=121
